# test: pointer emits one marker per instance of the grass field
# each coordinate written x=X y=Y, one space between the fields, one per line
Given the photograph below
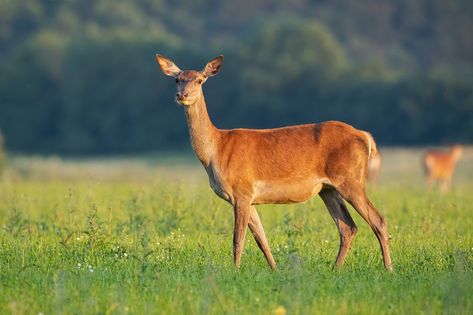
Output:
x=149 y=236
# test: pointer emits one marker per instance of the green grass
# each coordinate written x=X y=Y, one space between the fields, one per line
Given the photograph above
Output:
x=164 y=246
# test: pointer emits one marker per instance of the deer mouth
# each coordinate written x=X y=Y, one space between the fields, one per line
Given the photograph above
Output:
x=184 y=101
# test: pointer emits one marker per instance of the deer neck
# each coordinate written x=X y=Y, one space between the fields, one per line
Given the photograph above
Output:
x=203 y=134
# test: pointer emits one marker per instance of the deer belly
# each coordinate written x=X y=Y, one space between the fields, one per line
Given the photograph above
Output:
x=286 y=191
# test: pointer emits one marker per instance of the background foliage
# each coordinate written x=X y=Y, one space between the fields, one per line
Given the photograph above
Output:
x=79 y=77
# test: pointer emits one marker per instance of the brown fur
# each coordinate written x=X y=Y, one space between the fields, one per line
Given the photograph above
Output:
x=440 y=165
x=247 y=167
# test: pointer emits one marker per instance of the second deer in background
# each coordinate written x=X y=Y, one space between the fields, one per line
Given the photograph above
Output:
x=439 y=165
x=374 y=167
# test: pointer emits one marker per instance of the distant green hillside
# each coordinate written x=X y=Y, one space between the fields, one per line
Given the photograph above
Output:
x=79 y=77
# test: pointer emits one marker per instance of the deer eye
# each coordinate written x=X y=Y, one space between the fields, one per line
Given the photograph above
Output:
x=199 y=81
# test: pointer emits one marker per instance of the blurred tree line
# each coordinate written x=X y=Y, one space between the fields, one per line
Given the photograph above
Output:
x=79 y=76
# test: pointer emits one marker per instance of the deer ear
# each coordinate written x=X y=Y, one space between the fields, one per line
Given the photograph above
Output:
x=167 y=66
x=213 y=66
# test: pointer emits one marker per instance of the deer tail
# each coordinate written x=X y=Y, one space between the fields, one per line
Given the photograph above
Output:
x=372 y=148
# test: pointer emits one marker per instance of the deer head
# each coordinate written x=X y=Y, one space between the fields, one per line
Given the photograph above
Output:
x=189 y=82
x=457 y=151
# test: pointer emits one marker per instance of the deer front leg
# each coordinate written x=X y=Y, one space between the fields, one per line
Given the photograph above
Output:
x=242 y=217
x=446 y=182
x=257 y=230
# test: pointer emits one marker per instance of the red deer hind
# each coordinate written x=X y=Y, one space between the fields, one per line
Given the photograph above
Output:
x=374 y=167
x=249 y=167
x=440 y=165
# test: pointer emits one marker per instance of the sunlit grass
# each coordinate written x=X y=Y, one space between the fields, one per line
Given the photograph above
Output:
x=163 y=245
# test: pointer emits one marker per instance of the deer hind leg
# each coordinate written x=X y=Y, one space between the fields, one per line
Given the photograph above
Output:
x=257 y=230
x=242 y=212
x=356 y=196
x=430 y=181
x=345 y=224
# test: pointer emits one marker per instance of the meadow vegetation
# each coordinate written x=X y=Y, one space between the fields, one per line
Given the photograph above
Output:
x=146 y=236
